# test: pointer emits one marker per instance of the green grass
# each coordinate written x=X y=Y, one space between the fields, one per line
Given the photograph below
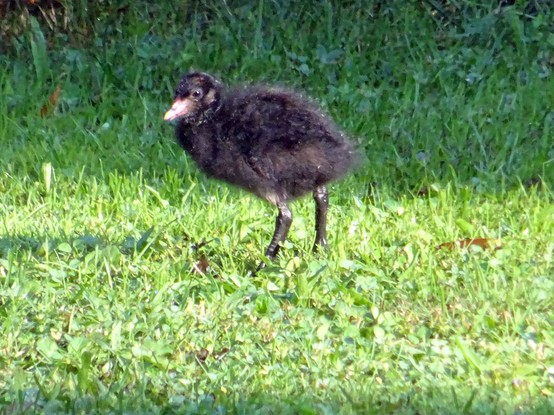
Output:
x=104 y=221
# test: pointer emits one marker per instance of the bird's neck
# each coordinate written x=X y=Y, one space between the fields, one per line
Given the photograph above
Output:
x=199 y=140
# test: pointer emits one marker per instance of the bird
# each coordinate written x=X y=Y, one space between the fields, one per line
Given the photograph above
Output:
x=271 y=141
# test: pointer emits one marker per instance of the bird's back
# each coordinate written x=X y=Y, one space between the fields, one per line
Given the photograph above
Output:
x=286 y=139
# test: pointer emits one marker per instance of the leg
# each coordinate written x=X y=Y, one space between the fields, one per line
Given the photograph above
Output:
x=282 y=225
x=321 y=203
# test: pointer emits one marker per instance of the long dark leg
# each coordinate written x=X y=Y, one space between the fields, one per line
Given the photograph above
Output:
x=282 y=226
x=321 y=204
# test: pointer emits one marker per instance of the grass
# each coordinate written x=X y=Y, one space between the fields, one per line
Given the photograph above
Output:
x=124 y=272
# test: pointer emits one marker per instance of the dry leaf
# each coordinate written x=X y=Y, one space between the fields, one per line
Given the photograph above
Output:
x=219 y=355
x=49 y=107
x=534 y=182
x=202 y=354
x=201 y=267
x=424 y=191
x=484 y=243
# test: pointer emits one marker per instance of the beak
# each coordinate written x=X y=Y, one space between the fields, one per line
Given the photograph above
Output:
x=179 y=108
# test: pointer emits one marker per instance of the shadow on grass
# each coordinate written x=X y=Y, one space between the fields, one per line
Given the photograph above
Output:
x=433 y=401
x=41 y=246
x=87 y=244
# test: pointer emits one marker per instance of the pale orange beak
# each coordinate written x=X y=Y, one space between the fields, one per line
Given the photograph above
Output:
x=179 y=108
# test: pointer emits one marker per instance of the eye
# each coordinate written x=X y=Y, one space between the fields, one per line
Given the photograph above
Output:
x=196 y=93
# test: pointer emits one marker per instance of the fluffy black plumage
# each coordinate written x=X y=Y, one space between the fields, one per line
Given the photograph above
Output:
x=270 y=141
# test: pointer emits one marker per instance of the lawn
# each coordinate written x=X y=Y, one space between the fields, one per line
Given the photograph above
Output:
x=125 y=274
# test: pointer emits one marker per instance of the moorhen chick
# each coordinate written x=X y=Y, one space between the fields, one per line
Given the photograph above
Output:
x=270 y=141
